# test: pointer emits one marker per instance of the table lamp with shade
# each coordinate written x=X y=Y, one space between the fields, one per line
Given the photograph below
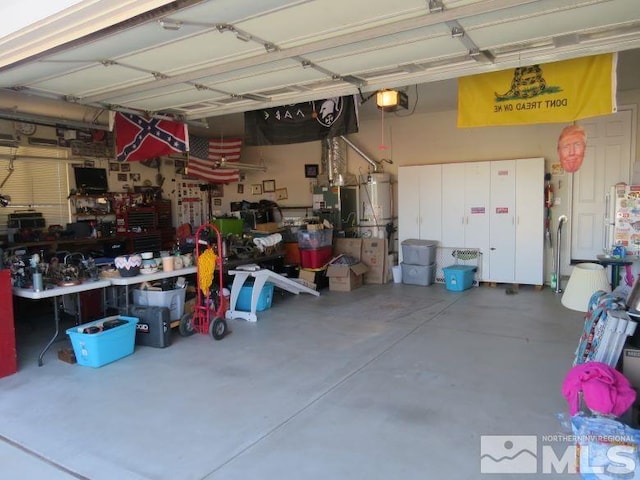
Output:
x=585 y=280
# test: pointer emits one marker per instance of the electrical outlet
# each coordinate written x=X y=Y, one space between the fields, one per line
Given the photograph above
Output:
x=557 y=201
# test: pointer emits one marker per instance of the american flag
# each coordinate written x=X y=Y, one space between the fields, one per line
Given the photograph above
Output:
x=206 y=152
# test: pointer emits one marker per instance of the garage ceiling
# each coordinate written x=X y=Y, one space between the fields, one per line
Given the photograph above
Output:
x=199 y=59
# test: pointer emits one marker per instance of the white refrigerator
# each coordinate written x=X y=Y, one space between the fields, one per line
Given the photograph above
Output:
x=622 y=218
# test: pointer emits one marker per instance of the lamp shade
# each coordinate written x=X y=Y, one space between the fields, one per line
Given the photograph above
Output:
x=585 y=280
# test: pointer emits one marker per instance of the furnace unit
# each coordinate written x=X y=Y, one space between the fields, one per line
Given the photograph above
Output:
x=338 y=205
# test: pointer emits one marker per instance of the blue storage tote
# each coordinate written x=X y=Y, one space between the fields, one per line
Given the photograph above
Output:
x=458 y=277
x=264 y=300
x=104 y=346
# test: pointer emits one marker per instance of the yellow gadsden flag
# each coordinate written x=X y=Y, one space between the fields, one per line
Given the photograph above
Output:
x=552 y=92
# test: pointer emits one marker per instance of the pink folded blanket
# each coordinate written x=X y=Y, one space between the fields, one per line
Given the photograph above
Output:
x=605 y=390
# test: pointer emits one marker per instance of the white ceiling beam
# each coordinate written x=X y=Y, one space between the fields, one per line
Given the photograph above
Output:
x=70 y=25
x=319 y=45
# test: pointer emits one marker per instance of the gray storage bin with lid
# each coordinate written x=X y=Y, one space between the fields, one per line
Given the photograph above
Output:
x=418 y=274
x=419 y=252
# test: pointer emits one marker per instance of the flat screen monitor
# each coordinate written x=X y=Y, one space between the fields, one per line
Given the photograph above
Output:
x=91 y=180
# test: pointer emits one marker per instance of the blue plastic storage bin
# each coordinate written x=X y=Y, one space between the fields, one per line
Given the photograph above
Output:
x=98 y=349
x=458 y=277
x=264 y=300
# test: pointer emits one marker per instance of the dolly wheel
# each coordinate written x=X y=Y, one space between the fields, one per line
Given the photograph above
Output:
x=218 y=328
x=186 y=325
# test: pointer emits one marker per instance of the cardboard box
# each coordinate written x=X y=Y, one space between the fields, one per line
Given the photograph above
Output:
x=348 y=246
x=344 y=278
x=270 y=227
x=190 y=305
x=631 y=365
x=374 y=256
x=317 y=277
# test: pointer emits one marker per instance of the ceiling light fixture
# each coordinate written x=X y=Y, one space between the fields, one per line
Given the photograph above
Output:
x=168 y=24
x=389 y=100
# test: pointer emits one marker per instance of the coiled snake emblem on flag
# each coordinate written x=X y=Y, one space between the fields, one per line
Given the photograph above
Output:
x=527 y=83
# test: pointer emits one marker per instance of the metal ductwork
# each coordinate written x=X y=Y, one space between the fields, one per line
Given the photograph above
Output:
x=24 y=108
x=334 y=160
x=373 y=163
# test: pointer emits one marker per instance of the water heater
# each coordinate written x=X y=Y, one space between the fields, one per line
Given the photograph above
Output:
x=375 y=204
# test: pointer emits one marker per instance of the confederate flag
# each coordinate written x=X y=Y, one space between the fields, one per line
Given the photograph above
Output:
x=139 y=138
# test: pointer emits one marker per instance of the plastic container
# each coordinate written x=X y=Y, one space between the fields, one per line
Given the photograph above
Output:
x=173 y=299
x=458 y=278
x=418 y=274
x=419 y=252
x=98 y=349
x=228 y=226
x=397 y=273
x=314 y=239
x=315 y=257
x=264 y=300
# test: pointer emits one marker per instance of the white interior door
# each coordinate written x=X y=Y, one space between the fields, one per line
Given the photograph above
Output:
x=607 y=161
x=502 y=251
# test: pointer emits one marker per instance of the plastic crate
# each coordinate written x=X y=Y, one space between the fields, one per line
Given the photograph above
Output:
x=458 y=278
x=98 y=349
x=314 y=239
x=264 y=300
x=172 y=299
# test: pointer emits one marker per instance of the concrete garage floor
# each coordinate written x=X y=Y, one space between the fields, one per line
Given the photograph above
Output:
x=388 y=381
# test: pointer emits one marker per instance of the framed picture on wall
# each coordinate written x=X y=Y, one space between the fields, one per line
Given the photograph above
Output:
x=125 y=167
x=240 y=188
x=256 y=189
x=311 y=170
x=268 y=186
x=281 y=194
x=217 y=202
x=122 y=177
x=217 y=190
x=114 y=167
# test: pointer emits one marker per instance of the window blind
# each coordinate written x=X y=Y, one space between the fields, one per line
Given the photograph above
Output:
x=41 y=185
